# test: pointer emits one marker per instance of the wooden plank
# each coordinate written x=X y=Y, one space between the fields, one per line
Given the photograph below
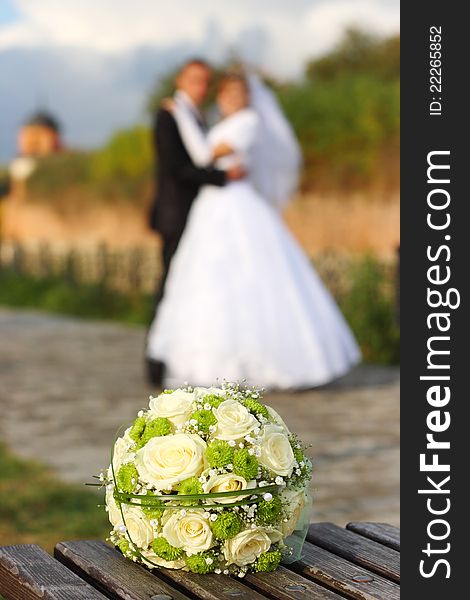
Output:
x=342 y=576
x=385 y=534
x=357 y=549
x=210 y=587
x=284 y=584
x=27 y=573
x=108 y=570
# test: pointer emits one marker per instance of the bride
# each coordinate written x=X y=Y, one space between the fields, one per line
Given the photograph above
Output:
x=242 y=301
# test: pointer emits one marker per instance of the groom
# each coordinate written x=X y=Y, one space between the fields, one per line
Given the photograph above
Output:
x=178 y=179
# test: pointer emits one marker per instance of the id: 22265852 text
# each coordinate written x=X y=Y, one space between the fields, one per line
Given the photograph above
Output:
x=435 y=70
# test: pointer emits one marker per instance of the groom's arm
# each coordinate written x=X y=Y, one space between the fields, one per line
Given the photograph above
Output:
x=171 y=152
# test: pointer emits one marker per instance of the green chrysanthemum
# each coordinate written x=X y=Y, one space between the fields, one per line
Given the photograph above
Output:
x=256 y=407
x=219 y=454
x=127 y=478
x=168 y=391
x=214 y=400
x=153 y=510
x=269 y=513
x=204 y=418
x=227 y=525
x=268 y=561
x=158 y=427
x=123 y=546
x=190 y=486
x=245 y=464
x=203 y=563
x=137 y=428
x=298 y=455
x=165 y=550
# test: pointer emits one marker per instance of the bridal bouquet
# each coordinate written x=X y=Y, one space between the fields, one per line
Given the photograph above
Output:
x=208 y=480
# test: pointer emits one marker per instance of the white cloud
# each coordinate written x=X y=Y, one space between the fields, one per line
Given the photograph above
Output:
x=296 y=29
x=94 y=61
x=326 y=22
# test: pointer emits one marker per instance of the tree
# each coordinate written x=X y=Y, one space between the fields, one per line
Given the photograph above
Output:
x=358 y=53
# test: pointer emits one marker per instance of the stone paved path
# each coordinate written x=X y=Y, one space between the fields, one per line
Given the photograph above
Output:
x=66 y=385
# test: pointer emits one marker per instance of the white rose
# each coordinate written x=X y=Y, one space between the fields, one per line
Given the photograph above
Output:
x=200 y=392
x=114 y=514
x=234 y=421
x=176 y=407
x=148 y=556
x=121 y=453
x=169 y=459
x=138 y=527
x=295 y=504
x=277 y=419
x=274 y=534
x=189 y=531
x=276 y=452
x=227 y=482
x=246 y=546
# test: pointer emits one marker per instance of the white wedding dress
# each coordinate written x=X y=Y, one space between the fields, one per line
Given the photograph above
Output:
x=242 y=301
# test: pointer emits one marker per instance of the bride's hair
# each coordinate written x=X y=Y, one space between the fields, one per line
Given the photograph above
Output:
x=232 y=77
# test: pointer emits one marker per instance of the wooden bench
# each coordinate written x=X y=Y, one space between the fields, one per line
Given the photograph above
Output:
x=360 y=562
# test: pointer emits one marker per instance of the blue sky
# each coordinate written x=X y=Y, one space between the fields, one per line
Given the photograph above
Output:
x=8 y=12
x=92 y=62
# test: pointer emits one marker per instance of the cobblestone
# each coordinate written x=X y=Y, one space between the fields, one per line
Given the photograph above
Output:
x=67 y=385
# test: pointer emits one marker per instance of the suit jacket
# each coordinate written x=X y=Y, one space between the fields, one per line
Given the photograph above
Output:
x=178 y=179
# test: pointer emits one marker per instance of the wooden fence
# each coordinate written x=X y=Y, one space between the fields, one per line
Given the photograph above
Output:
x=136 y=269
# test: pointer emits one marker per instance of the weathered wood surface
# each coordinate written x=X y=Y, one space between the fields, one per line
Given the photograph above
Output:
x=359 y=550
x=285 y=584
x=27 y=573
x=385 y=534
x=208 y=587
x=357 y=563
x=110 y=571
x=348 y=579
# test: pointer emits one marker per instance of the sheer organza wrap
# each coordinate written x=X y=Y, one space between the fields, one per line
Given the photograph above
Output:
x=297 y=538
x=276 y=156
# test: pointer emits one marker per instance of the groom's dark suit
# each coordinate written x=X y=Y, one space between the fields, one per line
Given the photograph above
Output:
x=178 y=183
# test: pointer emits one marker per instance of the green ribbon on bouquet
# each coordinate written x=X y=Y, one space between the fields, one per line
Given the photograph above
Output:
x=163 y=501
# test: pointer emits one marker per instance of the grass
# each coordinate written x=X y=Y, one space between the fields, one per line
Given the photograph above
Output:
x=36 y=508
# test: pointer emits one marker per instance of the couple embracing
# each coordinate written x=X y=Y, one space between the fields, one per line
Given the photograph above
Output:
x=238 y=299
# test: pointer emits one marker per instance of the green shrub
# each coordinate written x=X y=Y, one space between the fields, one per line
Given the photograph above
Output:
x=122 y=168
x=88 y=300
x=358 y=53
x=344 y=126
x=124 y=164
x=57 y=172
x=369 y=307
